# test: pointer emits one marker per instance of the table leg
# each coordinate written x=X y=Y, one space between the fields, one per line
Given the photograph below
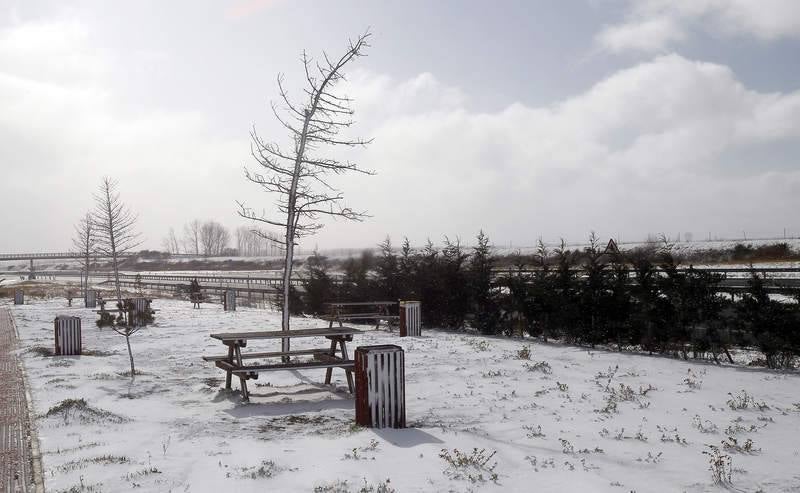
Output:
x=329 y=371
x=242 y=377
x=347 y=372
x=228 y=373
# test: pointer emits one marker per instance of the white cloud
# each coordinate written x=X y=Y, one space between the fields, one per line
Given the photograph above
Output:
x=61 y=129
x=654 y=25
x=648 y=149
x=648 y=35
x=645 y=148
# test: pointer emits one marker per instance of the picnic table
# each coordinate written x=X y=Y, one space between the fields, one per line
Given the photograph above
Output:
x=360 y=310
x=196 y=299
x=233 y=362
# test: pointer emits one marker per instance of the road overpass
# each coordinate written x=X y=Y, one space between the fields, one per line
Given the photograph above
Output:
x=10 y=257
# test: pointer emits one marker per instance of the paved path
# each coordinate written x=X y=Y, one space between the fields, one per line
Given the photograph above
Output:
x=15 y=428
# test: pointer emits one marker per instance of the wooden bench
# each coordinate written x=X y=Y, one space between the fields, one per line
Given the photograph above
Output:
x=274 y=354
x=366 y=310
x=233 y=362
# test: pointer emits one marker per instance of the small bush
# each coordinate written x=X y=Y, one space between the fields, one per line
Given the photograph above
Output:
x=720 y=465
x=743 y=400
x=41 y=351
x=524 y=353
x=732 y=445
x=78 y=410
x=542 y=366
x=471 y=466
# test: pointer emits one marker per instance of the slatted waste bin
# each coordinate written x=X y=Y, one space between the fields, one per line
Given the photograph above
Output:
x=410 y=318
x=91 y=299
x=139 y=311
x=380 y=386
x=19 y=297
x=67 y=335
x=229 y=300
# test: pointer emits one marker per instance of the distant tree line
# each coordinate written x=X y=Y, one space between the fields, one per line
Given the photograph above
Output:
x=639 y=299
x=211 y=239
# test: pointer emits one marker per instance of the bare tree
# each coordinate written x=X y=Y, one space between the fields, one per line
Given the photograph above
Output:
x=296 y=174
x=191 y=237
x=116 y=236
x=84 y=244
x=243 y=244
x=252 y=243
x=214 y=238
x=170 y=243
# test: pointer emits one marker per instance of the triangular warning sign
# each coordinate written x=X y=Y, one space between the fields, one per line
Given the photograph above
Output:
x=612 y=247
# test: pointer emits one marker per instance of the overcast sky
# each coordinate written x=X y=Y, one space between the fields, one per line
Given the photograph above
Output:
x=526 y=119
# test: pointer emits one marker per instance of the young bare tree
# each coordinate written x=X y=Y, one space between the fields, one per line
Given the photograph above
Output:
x=191 y=237
x=297 y=175
x=170 y=243
x=84 y=244
x=116 y=236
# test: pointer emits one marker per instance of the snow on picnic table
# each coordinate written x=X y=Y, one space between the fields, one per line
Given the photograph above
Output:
x=173 y=428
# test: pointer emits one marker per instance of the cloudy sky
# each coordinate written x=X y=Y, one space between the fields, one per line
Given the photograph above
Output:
x=527 y=119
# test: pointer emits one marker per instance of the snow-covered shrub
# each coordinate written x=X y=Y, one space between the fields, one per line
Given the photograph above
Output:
x=541 y=366
x=719 y=464
x=477 y=466
x=743 y=400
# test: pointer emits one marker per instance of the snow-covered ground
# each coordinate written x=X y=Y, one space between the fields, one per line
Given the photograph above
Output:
x=567 y=419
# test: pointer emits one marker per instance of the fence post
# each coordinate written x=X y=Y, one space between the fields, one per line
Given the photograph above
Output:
x=380 y=386
x=410 y=318
x=67 y=332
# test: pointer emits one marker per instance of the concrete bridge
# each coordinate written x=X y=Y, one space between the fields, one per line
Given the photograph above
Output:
x=34 y=256
x=5 y=257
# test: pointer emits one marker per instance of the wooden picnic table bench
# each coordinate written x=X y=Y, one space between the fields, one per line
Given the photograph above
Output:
x=360 y=310
x=103 y=310
x=327 y=358
x=197 y=298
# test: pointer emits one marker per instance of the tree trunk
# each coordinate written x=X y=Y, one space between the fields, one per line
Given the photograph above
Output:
x=728 y=354
x=130 y=353
x=113 y=243
x=287 y=276
x=291 y=225
x=86 y=284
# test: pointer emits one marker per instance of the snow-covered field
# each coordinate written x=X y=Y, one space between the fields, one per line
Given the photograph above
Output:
x=567 y=419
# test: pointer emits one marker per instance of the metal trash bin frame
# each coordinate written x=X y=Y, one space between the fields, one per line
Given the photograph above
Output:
x=90 y=300
x=380 y=386
x=67 y=335
x=410 y=318
x=229 y=300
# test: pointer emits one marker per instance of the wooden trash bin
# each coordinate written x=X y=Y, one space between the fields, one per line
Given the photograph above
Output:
x=19 y=297
x=138 y=311
x=410 y=318
x=90 y=301
x=67 y=332
x=229 y=300
x=380 y=386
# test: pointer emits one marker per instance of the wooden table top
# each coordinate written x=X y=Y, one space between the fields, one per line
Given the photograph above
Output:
x=362 y=303
x=280 y=334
